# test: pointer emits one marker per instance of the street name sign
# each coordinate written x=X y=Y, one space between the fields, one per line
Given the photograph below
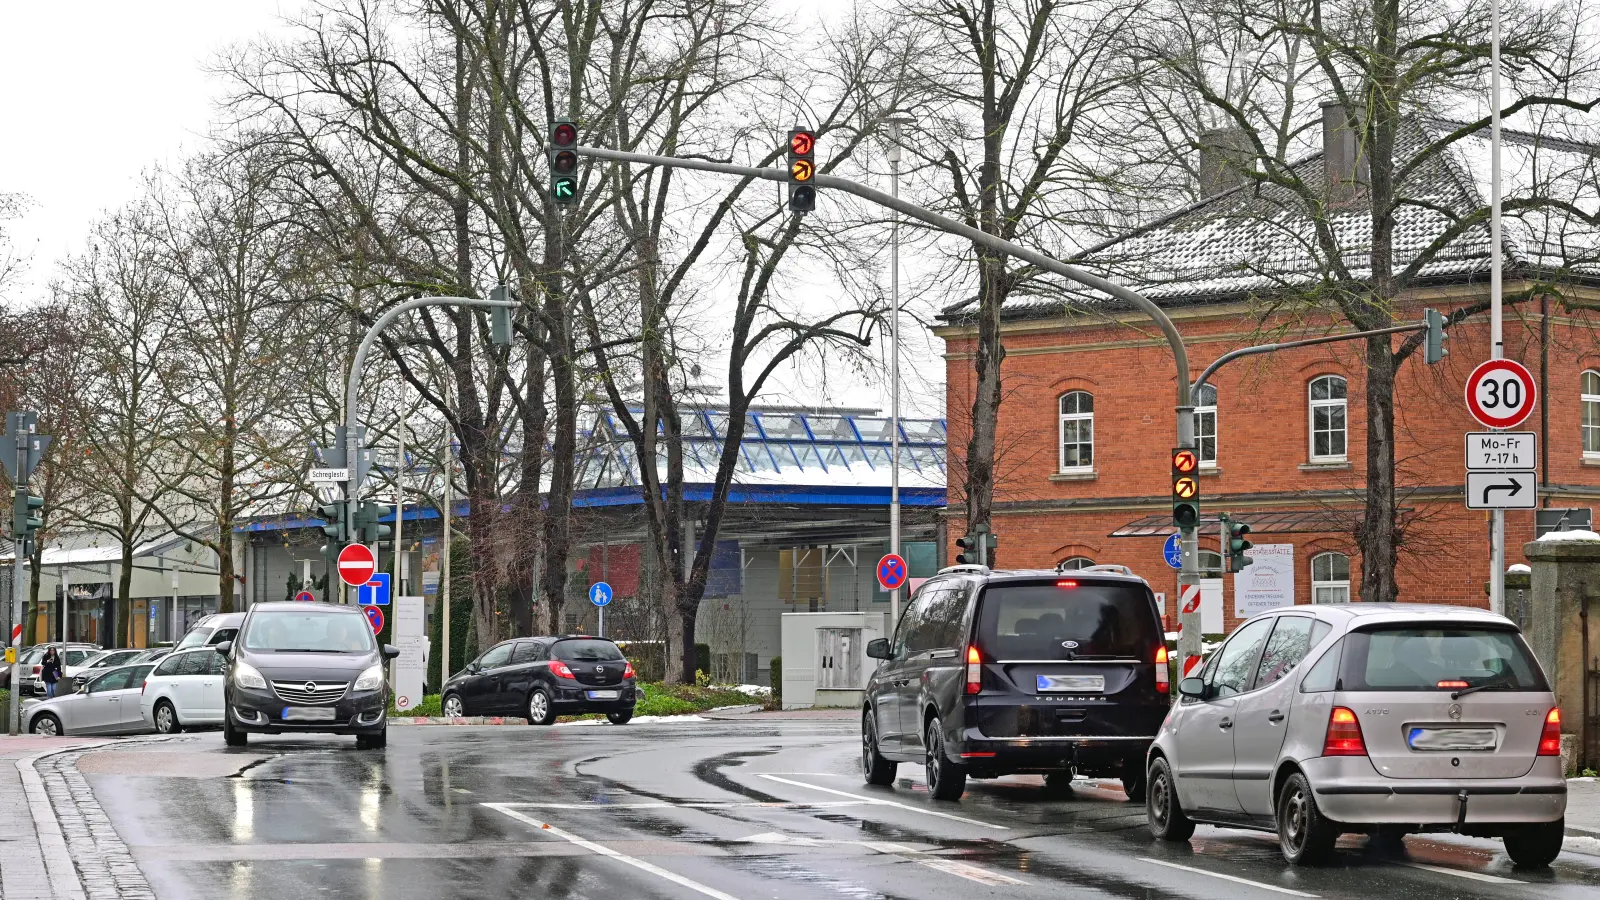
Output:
x=1502 y=490
x=1500 y=451
x=1501 y=393
x=329 y=476
x=356 y=565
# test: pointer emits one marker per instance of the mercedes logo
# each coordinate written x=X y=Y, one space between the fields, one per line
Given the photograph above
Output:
x=311 y=687
x=1454 y=712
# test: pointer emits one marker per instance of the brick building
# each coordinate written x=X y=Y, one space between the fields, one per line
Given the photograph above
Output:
x=1088 y=420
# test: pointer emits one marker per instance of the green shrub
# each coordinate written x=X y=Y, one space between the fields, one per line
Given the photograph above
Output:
x=775 y=673
x=428 y=707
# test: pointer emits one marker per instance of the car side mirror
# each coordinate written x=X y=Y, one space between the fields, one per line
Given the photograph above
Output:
x=1192 y=687
x=878 y=648
x=390 y=651
x=225 y=647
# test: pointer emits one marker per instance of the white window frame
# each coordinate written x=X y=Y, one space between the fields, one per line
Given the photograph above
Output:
x=1342 y=404
x=1586 y=398
x=1202 y=411
x=1062 y=418
x=1339 y=589
x=1074 y=564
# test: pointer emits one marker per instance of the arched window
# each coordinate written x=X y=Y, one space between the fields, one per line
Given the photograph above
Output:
x=1328 y=419
x=1205 y=424
x=1075 y=563
x=1330 y=578
x=1591 y=414
x=1077 y=431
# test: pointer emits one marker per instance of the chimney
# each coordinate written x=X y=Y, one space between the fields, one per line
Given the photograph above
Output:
x=1344 y=160
x=1224 y=158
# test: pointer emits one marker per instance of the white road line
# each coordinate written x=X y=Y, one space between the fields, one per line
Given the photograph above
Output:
x=970 y=872
x=874 y=801
x=591 y=846
x=691 y=804
x=1266 y=887
x=1463 y=873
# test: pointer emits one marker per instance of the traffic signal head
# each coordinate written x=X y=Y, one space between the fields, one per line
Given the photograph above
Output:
x=332 y=515
x=1185 y=488
x=1237 y=545
x=802 y=170
x=564 y=162
x=1433 y=348
x=372 y=531
x=27 y=516
x=500 y=317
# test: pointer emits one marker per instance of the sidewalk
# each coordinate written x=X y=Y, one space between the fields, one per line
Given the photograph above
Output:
x=23 y=873
x=1583 y=807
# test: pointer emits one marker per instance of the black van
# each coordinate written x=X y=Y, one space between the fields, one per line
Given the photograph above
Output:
x=993 y=673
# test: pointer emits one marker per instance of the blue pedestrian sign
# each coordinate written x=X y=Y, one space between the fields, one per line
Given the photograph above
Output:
x=375 y=592
x=600 y=593
x=1173 y=551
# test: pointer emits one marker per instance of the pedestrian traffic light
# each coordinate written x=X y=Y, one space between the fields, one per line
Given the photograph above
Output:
x=802 y=170
x=564 y=162
x=1234 y=544
x=27 y=516
x=977 y=546
x=1433 y=348
x=368 y=527
x=1185 y=488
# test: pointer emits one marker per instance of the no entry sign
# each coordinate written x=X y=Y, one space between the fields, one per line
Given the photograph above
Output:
x=1501 y=393
x=892 y=571
x=356 y=565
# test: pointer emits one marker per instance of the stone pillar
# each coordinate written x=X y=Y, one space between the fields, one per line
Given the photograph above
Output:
x=1566 y=576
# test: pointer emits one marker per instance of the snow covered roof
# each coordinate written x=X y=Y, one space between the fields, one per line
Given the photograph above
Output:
x=1258 y=239
x=83 y=548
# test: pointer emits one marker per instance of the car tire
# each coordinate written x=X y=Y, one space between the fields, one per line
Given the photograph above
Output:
x=166 y=718
x=874 y=768
x=46 y=724
x=232 y=736
x=1168 y=822
x=376 y=741
x=1536 y=846
x=540 y=712
x=1134 y=779
x=1305 y=835
x=946 y=780
x=620 y=718
x=453 y=707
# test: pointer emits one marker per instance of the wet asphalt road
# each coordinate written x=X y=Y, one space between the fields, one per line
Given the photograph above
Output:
x=729 y=809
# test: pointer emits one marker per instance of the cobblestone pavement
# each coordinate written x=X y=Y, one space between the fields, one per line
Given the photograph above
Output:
x=106 y=869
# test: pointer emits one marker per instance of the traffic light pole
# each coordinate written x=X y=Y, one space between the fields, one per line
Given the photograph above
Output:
x=19 y=574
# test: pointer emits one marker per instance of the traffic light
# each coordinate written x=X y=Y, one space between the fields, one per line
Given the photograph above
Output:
x=1185 y=488
x=27 y=516
x=1234 y=544
x=332 y=515
x=564 y=162
x=500 y=317
x=802 y=170
x=977 y=546
x=368 y=527
x=1433 y=348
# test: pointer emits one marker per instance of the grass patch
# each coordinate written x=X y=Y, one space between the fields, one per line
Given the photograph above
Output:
x=658 y=700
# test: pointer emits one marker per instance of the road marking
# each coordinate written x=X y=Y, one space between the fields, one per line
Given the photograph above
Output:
x=1232 y=878
x=970 y=872
x=874 y=801
x=1463 y=873
x=623 y=858
x=691 y=804
x=948 y=866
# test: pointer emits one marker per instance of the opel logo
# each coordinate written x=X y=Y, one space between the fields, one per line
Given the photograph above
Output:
x=1454 y=712
x=600 y=669
x=1070 y=645
x=311 y=687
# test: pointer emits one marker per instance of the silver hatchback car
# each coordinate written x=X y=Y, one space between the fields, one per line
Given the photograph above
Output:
x=1382 y=719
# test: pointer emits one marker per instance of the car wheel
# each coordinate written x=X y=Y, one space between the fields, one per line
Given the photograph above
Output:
x=620 y=718
x=1306 y=836
x=539 y=710
x=1536 y=846
x=46 y=724
x=874 y=768
x=1161 y=807
x=232 y=736
x=1133 y=779
x=166 y=719
x=373 y=741
x=452 y=706
x=946 y=780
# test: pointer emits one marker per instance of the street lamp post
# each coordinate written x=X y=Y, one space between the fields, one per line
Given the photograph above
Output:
x=895 y=122
x=1497 y=350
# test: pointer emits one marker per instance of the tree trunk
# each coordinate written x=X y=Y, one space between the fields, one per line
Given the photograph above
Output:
x=558 y=509
x=980 y=464
x=124 y=593
x=1378 y=531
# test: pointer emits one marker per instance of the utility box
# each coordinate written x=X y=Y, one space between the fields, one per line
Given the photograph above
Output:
x=825 y=660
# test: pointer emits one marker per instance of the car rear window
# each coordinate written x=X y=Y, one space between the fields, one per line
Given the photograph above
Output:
x=587 y=651
x=1431 y=659
x=195 y=638
x=1067 y=620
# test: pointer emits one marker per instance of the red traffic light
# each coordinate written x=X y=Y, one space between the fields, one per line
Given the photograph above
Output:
x=802 y=143
x=564 y=134
x=1184 y=460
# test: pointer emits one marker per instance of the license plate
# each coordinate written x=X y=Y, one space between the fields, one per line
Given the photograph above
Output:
x=602 y=695
x=308 y=714
x=1452 y=739
x=1072 y=683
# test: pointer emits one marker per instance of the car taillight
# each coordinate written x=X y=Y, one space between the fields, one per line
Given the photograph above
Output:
x=560 y=669
x=1451 y=684
x=1344 y=735
x=974 y=671
x=1550 y=738
x=1163 y=678
x=38 y=669
x=1066 y=584
x=627 y=670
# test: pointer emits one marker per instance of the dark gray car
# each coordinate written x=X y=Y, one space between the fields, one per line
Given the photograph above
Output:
x=305 y=667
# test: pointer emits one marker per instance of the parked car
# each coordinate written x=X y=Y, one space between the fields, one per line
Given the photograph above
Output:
x=105 y=659
x=72 y=655
x=306 y=667
x=1384 y=719
x=545 y=677
x=991 y=673
x=184 y=691
x=212 y=630
x=108 y=704
x=154 y=654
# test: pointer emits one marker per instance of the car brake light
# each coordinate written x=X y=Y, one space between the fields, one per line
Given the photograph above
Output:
x=1163 y=678
x=974 y=671
x=37 y=669
x=1344 y=735
x=1550 y=738
x=560 y=669
x=1066 y=584
x=627 y=670
x=1452 y=684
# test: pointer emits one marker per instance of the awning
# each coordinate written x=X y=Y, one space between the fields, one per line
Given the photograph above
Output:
x=1262 y=522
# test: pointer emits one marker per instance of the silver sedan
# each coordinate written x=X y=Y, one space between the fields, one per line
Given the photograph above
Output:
x=108 y=704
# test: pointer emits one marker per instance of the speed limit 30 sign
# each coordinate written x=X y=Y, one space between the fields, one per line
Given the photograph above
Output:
x=1501 y=393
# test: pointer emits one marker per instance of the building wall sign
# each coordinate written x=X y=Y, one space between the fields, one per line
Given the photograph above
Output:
x=1267 y=583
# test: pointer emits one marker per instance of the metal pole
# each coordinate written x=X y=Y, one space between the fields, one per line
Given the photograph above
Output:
x=1497 y=533
x=444 y=563
x=895 y=122
x=19 y=574
x=400 y=496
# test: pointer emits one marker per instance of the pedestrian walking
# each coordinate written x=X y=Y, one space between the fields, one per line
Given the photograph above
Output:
x=50 y=671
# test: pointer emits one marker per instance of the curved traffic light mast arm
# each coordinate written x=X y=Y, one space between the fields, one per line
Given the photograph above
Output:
x=1232 y=355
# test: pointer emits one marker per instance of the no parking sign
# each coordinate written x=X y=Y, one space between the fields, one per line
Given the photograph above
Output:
x=893 y=572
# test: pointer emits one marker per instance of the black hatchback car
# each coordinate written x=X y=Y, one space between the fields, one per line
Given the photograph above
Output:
x=991 y=673
x=544 y=677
